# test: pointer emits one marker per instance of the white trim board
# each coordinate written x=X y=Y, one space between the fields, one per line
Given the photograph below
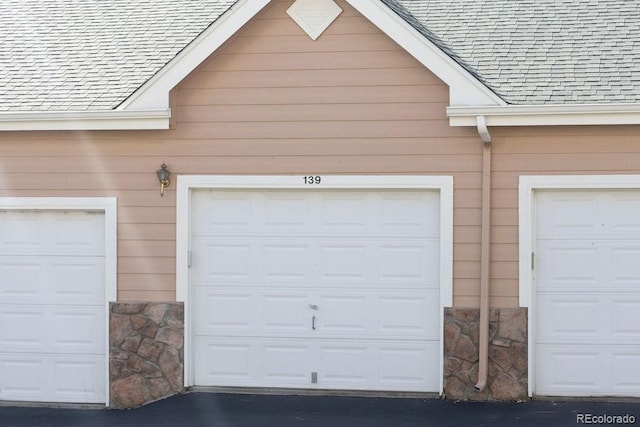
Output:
x=464 y=88
x=154 y=93
x=85 y=120
x=526 y=220
x=186 y=183
x=546 y=115
x=107 y=205
x=148 y=107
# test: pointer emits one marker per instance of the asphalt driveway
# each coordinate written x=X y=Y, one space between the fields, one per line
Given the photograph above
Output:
x=218 y=409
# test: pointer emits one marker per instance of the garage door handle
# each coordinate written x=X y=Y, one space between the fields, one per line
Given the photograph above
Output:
x=313 y=323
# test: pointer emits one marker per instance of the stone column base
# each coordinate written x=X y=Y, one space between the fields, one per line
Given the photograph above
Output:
x=146 y=352
x=507 y=379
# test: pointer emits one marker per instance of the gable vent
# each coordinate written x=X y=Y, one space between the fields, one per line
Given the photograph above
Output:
x=314 y=16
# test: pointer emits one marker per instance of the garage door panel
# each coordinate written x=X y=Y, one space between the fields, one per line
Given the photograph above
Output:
x=74 y=378
x=625 y=213
x=219 y=311
x=626 y=316
x=589 y=214
x=587 y=278
x=79 y=379
x=77 y=281
x=235 y=362
x=410 y=213
x=220 y=211
x=252 y=312
x=51 y=233
x=76 y=330
x=345 y=366
x=227 y=261
x=52 y=280
x=285 y=313
x=389 y=213
x=305 y=262
x=20 y=232
x=223 y=363
x=568 y=263
x=287 y=261
x=52 y=306
x=378 y=365
x=344 y=262
x=341 y=313
x=21 y=279
x=21 y=377
x=564 y=370
x=368 y=365
x=51 y=329
x=409 y=262
x=286 y=362
x=603 y=317
x=587 y=264
x=566 y=316
x=557 y=215
x=77 y=233
x=344 y=212
x=407 y=366
x=343 y=283
x=588 y=370
x=624 y=265
x=626 y=375
x=409 y=314
x=21 y=328
x=286 y=210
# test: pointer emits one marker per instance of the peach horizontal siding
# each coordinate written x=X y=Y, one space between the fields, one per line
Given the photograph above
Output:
x=577 y=150
x=271 y=101
x=351 y=102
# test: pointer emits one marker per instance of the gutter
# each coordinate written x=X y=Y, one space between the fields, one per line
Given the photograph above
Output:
x=85 y=120
x=547 y=115
x=483 y=356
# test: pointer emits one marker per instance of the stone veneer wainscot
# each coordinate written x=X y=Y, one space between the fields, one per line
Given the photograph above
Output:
x=146 y=352
x=508 y=370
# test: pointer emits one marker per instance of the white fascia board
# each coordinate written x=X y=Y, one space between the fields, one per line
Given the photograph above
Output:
x=464 y=88
x=155 y=92
x=84 y=120
x=547 y=115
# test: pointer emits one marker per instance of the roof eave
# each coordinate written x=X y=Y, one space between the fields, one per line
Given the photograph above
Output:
x=546 y=115
x=464 y=88
x=155 y=92
x=85 y=120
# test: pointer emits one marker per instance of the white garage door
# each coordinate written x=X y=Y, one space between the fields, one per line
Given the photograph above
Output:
x=316 y=289
x=52 y=307
x=587 y=317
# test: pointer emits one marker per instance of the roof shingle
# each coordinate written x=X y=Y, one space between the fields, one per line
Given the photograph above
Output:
x=91 y=54
x=543 y=51
x=58 y=55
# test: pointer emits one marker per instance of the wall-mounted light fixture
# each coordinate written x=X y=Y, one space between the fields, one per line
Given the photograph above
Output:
x=163 y=176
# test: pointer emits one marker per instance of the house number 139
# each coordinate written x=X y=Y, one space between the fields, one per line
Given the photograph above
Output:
x=312 y=180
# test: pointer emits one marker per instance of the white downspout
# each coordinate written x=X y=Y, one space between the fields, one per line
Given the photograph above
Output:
x=485 y=243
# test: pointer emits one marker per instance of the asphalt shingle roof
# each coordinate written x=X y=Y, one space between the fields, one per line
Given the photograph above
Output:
x=542 y=51
x=58 y=55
